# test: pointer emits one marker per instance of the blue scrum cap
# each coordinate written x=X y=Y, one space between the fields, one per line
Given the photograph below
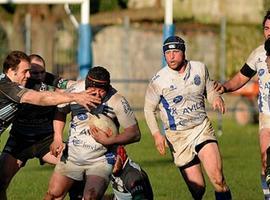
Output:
x=174 y=42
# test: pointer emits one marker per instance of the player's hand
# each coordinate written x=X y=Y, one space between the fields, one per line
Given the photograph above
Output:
x=218 y=87
x=218 y=104
x=121 y=157
x=57 y=147
x=160 y=143
x=105 y=138
x=88 y=99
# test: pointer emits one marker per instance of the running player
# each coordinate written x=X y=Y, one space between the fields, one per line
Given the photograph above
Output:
x=255 y=64
x=179 y=90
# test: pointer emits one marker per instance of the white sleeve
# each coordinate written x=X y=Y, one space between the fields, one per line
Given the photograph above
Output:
x=123 y=111
x=211 y=94
x=152 y=99
x=252 y=59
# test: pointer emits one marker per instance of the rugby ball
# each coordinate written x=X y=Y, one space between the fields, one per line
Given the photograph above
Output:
x=103 y=122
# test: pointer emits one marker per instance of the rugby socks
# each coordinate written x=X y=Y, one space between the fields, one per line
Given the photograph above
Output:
x=223 y=195
x=265 y=188
x=267 y=170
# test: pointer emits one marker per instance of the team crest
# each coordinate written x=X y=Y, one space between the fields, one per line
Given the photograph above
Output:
x=82 y=116
x=197 y=80
x=261 y=72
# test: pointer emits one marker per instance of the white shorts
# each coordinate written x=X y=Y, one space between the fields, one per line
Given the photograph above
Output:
x=264 y=121
x=183 y=143
x=98 y=168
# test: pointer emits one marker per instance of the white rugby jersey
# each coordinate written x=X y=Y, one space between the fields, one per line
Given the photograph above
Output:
x=179 y=96
x=256 y=61
x=82 y=148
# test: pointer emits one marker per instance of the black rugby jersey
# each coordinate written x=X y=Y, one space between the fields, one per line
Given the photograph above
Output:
x=33 y=122
x=10 y=96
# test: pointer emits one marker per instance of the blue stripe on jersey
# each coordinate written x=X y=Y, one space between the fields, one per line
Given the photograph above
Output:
x=168 y=111
x=260 y=104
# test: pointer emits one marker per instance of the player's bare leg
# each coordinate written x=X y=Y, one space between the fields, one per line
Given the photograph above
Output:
x=58 y=187
x=95 y=187
x=212 y=163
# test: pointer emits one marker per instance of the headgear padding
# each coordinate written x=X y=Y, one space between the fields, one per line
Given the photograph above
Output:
x=174 y=42
x=98 y=77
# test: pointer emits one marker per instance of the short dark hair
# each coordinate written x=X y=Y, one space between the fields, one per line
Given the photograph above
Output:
x=13 y=59
x=37 y=57
x=266 y=17
x=267 y=46
x=98 y=77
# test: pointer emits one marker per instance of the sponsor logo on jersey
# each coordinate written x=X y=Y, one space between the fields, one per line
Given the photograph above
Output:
x=261 y=72
x=197 y=80
x=178 y=99
x=267 y=85
x=126 y=106
x=198 y=118
x=155 y=77
x=82 y=116
x=193 y=108
x=76 y=141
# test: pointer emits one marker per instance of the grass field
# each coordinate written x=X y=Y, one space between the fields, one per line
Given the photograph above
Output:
x=239 y=147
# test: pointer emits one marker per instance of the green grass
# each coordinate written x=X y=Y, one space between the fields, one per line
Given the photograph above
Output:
x=241 y=161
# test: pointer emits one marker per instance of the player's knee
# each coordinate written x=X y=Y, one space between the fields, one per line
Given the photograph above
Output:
x=219 y=183
x=53 y=194
x=91 y=194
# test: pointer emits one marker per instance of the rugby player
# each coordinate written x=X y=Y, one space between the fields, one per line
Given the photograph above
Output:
x=87 y=152
x=31 y=132
x=178 y=90
x=256 y=64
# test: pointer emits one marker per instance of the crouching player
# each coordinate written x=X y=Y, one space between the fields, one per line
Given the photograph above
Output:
x=129 y=181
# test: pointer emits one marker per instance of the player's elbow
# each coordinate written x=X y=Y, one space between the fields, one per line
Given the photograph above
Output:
x=137 y=137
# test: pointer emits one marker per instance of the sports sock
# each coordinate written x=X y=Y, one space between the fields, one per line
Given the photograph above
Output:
x=267 y=170
x=265 y=188
x=223 y=195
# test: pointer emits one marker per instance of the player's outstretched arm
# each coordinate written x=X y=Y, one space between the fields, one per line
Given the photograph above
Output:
x=238 y=81
x=48 y=98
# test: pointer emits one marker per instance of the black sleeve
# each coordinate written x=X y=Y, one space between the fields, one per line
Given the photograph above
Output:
x=247 y=71
x=12 y=91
